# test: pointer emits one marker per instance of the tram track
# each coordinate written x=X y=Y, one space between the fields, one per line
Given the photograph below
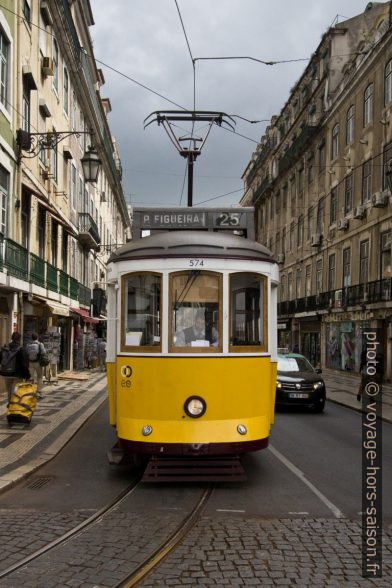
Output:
x=148 y=563
x=153 y=561
x=83 y=526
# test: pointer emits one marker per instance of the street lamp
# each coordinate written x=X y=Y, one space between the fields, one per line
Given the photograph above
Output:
x=32 y=144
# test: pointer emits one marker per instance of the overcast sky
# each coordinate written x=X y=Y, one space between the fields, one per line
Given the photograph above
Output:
x=144 y=40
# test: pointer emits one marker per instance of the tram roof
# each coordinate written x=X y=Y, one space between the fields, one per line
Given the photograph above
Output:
x=194 y=244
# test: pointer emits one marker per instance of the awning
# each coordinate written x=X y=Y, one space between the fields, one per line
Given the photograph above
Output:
x=84 y=314
x=56 y=308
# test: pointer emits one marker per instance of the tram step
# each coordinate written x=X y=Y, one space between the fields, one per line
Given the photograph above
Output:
x=194 y=469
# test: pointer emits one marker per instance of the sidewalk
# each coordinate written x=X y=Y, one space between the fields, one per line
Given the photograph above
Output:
x=64 y=408
x=342 y=388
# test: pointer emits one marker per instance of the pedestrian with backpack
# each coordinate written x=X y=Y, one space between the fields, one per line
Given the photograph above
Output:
x=14 y=363
x=36 y=351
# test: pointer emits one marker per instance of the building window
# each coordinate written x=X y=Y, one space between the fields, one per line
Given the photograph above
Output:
x=300 y=231
x=320 y=217
x=310 y=169
x=4 y=70
x=334 y=206
x=310 y=224
x=386 y=267
x=387 y=163
x=4 y=191
x=348 y=194
x=284 y=196
x=368 y=105
x=292 y=191
x=319 y=276
x=54 y=153
x=27 y=11
x=290 y=286
x=54 y=242
x=291 y=248
x=284 y=241
x=283 y=288
x=74 y=192
x=26 y=107
x=350 y=125
x=64 y=253
x=331 y=272
x=346 y=267
x=364 y=262
x=66 y=92
x=277 y=242
x=55 y=66
x=41 y=229
x=308 y=281
x=321 y=157
x=388 y=83
x=298 y=284
x=335 y=142
x=300 y=181
x=366 y=181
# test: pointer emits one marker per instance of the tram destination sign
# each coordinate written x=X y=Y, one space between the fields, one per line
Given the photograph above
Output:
x=239 y=220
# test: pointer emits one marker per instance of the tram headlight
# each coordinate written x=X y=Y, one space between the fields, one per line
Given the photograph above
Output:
x=147 y=430
x=195 y=406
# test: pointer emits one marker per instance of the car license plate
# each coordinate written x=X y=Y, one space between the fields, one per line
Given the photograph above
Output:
x=298 y=395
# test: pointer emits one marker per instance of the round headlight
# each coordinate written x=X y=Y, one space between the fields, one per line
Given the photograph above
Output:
x=195 y=406
x=147 y=430
x=279 y=384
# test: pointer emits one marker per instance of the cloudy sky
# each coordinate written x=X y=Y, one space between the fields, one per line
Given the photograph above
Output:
x=144 y=40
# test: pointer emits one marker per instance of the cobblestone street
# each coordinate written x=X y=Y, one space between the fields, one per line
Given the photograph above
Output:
x=235 y=552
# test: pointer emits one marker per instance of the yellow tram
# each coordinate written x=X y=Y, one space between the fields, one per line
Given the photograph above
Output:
x=192 y=344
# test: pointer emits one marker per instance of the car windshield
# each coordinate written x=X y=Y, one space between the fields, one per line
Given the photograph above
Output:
x=294 y=364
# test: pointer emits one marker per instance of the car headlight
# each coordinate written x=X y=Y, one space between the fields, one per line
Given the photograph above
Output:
x=279 y=384
x=195 y=406
x=318 y=385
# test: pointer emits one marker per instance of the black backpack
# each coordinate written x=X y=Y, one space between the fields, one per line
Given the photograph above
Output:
x=8 y=360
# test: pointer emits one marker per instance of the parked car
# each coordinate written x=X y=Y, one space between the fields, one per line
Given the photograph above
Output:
x=299 y=383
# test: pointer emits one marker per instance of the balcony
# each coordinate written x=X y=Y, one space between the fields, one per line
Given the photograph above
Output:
x=63 y=283
x=360 y=294
x=15 y=259
x=88 y=231
x=37 y=270
x=51 y=277
x=265 y=184
x=297 y=147
x=84 y=295
x=73 y=288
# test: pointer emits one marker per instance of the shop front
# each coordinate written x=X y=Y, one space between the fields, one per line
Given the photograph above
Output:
x=343 y=344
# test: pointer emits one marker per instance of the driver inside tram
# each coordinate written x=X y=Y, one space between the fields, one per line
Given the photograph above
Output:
x=200 y=334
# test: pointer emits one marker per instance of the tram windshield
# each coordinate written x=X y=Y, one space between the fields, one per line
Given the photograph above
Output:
x=195 y=304
x=142 y=293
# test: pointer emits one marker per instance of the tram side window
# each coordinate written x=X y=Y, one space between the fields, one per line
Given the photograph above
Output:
x=195 y=311
x=142 y=300
x=248 y=310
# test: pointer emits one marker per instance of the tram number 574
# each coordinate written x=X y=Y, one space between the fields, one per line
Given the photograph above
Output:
x=196 y=262
x=228 y=219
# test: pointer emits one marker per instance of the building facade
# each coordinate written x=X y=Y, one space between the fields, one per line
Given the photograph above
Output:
x=57 y=229
x=319 y=184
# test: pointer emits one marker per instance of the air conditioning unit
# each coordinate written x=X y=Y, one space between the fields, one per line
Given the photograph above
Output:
x=380 y=199
x=47 y=66
x=103 y=196
x=316 y=240
x=359 y=211
x=280 y=258
x=343 y=224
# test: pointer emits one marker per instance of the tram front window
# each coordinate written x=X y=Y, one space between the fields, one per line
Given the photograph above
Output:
x=248 y=310
x=142 y=299
x=195 y=304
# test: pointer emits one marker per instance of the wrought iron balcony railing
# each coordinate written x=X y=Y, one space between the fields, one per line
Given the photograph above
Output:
x=88 y=231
